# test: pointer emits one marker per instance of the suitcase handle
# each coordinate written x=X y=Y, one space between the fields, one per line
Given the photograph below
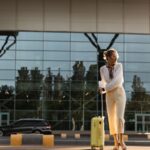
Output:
x=102 y=108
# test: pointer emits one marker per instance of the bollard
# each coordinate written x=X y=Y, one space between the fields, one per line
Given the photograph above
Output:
x=125 y=137
x=48 y=140
x=16 y=139
x=107 y=137
x=63 y=135
x=148 y=136
x=77 y=135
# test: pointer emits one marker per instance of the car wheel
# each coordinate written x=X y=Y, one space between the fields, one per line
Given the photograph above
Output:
x=1 y=133
x=37 y=132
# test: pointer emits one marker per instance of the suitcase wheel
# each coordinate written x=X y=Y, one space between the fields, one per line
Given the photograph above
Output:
x=101 y=148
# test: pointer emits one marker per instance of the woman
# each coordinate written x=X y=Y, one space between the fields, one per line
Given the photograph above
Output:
x=112 y=83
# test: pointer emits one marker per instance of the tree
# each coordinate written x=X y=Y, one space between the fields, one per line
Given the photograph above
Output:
x=22 y=83
x=77 y=80
x=58 y=86
x=23 y=89
x=77 y=91
x=36 y=83
x=139 y=98
x=48 y=85
x=6 y=97
x=28 y=90
x=139 y=91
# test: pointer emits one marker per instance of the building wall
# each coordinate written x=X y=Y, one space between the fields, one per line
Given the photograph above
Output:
x=123 y=16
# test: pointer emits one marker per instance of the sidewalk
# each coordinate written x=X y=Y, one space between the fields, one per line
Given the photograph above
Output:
x=82 y=142
x=68 y=148
x=134 y=139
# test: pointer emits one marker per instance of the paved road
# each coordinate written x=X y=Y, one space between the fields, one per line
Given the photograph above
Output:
x=68 y=148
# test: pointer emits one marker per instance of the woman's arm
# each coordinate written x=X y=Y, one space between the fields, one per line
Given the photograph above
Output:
x=117 y=80
x=102 y=83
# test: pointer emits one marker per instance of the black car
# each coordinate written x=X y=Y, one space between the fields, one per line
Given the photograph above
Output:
x=27 y=126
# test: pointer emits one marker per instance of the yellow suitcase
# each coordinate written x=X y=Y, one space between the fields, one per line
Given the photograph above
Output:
x=97 y=132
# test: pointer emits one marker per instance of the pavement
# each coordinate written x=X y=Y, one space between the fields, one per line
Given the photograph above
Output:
x=72 y=147
x=134 y=142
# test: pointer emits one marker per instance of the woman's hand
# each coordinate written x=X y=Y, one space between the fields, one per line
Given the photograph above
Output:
x=101 y=87
x=102 y=90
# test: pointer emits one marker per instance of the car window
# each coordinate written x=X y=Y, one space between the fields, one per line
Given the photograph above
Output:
x=25 y=123
x=41 y=123
x=18 y=123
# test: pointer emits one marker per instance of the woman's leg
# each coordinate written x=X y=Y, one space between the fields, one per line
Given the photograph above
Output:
x=111 y=112
x=116 y=142
x=122 y=143
x=120 y=110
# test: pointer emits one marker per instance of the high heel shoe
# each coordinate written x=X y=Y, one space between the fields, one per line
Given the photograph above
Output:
x=123 y=146
x=116 y=147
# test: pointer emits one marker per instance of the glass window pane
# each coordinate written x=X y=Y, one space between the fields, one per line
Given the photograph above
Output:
x=29 y=55
x=147 y=128
x=23 y=113
x=128 y=86
x=118 y=46
x=139 y=127
x=8 y=83
x=13 y=47
x=137 y=57
x=29 y=45
x=30 y=36
x=137 y=47
x=55 y=36
x=56 y=65
x=10 y=54
x=139 y=118
x=144 y=76
x=137 y=38
x=65 y=74
x=79 y=37
x=7 y=64
x=83 y=56
x=108 y=37
x=76 y=46
x=7 y=74
x=57 y=46
x=137 y=67
x=86 y=64
x=64 y=56
x=29 y=64
x=147 y=118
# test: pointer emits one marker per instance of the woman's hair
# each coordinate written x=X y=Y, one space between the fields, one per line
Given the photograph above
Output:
x=109 y=52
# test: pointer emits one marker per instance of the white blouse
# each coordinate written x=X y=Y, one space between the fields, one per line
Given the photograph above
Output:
x=117 y=80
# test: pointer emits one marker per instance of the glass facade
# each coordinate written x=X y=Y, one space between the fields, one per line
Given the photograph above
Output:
x=54 y=75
